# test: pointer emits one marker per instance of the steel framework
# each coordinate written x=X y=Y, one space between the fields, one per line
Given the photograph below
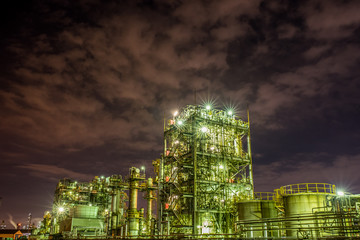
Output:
x=205 y=168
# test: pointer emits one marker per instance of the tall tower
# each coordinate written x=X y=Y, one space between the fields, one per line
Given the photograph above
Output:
x=205 y=169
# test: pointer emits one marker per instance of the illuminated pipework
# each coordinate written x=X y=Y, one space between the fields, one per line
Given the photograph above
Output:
x=133 y=213
x=104 y=199
x=117 y=186
x=205 y=168
x=150 y=196
x=205 y=186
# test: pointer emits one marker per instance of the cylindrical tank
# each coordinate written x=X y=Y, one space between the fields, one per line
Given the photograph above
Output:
x=133 y=214
x=85 y=211
x=299 y=205
x=268 y=209
x=257 y=210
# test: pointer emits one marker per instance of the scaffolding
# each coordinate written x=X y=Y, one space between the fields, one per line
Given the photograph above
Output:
x=205 y=168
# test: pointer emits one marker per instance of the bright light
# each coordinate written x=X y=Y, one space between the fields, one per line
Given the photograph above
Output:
x=102 y=177
x=180 y=122
x=205 y=230
x=143 y=168
x=61 y=209
x=175 y=113
x=230 y=112
x=340 y=193
x=221 y=167
x=204 y=129
x=212 y=148
x=176 y=142
x=208 y=107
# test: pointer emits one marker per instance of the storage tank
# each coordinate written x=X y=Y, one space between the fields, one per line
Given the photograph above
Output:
x=85 y=211
x=257 y=210
x=301 y=203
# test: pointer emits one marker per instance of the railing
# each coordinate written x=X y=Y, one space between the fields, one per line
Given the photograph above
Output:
x=264 y=195
x=319 y=188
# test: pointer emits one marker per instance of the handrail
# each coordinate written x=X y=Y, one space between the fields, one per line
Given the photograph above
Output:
x=319 y=188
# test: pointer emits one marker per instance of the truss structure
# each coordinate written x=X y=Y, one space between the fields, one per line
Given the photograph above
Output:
x=205 y=169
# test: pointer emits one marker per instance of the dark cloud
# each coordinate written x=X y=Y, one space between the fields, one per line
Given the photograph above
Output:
x=54 y=173
x=306 y=168
x=86 y=85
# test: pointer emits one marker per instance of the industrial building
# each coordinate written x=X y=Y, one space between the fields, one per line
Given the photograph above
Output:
x=203 y=189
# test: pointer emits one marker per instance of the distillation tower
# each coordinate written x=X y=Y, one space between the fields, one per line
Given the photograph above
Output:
x=205 y=169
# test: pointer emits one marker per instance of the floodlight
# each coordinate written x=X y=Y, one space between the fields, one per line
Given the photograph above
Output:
x=340 y=193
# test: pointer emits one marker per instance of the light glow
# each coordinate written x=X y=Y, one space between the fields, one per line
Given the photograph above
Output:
x=340 y=193
x=204 y=129
x=180 y=122
x=61 y=209
x=208 y=107
x=175 y=113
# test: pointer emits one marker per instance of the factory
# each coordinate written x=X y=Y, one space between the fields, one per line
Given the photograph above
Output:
x=203 y=188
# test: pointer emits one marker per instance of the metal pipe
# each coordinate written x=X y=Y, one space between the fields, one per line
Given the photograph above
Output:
x=150 y=198
x=194 y=217
x=133 y=214
x=250 y=157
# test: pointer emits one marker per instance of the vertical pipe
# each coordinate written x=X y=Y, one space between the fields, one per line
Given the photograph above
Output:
x=250 y=157
x=194 y=217
x=160 y=187
x=133 y=214
x=141 y=222
x=149 y=185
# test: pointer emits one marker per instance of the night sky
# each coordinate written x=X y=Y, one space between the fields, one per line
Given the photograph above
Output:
x=85 y=86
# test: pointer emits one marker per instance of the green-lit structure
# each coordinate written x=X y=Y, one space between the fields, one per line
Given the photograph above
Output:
x=98 y=208
x=203 y=189
x=205 y=168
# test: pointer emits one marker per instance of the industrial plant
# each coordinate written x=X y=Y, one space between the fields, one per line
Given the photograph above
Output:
x=203 y=188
